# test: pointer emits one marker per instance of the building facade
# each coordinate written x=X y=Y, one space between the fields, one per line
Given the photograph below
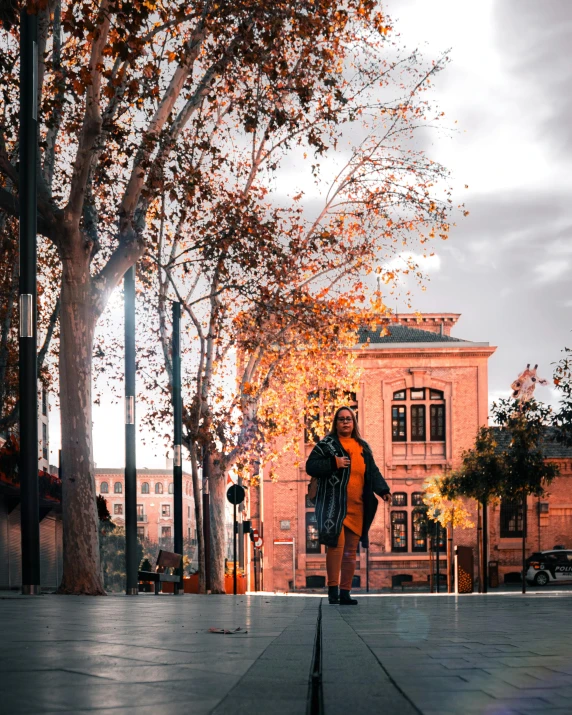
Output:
x=423 y=394
x=155 y=518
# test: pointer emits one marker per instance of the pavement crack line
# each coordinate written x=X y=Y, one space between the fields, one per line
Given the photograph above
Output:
x=315 y=695
x=387 y=673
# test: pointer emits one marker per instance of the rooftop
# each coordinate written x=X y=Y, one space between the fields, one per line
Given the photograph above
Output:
x=404 y=334
x=550 y=446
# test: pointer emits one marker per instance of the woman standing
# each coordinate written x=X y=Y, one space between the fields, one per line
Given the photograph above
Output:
x=348 y=479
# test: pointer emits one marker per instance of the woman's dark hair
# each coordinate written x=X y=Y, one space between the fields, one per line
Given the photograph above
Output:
x=355 y=432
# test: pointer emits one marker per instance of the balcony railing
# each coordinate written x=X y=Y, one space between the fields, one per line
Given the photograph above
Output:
x=142 y=518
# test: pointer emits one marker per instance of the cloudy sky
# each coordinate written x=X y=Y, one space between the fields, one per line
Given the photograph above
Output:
x=506 y=267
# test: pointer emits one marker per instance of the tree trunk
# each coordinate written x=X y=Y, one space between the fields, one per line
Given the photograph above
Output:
x=218 y=524
x=198 y=519
x=82 y=572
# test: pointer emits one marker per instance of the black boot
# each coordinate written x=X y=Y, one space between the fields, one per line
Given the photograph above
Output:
x=345 y=599
x=333 y=595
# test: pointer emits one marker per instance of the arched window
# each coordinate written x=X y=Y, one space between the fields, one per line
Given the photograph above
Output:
x=145 y=488
x=171 y=488
x=158 y=488
x=104 y=488
x=118 y=488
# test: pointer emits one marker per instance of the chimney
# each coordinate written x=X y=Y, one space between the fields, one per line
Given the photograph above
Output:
x=441 y=329
x=168 y=462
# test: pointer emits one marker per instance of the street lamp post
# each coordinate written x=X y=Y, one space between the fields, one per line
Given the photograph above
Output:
x=28 y=369
x=131 y=565
x=178 y=431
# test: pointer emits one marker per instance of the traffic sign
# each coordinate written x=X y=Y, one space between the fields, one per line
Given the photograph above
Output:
x=235 y=494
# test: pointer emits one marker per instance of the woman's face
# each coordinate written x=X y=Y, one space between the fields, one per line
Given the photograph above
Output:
x=344 y=423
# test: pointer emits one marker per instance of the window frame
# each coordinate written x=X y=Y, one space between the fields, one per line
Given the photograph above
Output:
x=399 y=494
x=118 y=509
x=395 y=420
x=433 y=433
x=104 y=488
x=166 y=508
x=505 y=518
x=159 y=489
x=171 y=488
x=416 y=517
x=145 y=488
x=399 y=549
x=118 y=488
x=310 y=521
x=415 y=437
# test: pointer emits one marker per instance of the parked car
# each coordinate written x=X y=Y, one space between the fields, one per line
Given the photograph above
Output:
x=545 y=567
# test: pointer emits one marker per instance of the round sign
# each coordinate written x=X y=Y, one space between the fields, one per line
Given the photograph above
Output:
x=235 y=494
x=258 y=543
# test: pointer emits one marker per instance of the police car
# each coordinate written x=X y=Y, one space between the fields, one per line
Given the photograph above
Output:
x=549 y=566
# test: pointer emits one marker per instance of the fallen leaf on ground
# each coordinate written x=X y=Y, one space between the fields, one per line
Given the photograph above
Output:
x=226 y=631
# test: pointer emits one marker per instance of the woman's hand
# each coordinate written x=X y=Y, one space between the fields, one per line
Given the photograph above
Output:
x=342 y=462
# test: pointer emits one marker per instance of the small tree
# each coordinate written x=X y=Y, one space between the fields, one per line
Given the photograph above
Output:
x=482 y=477
x=449 y=513
x=562 y=419
x=526 y=469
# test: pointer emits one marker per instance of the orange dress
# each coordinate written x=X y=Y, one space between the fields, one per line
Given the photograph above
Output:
x=354 y=515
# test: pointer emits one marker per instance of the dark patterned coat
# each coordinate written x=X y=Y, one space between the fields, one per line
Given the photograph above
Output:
x=332 y=496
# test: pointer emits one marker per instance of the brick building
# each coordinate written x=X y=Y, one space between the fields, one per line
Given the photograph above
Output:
x=422 y=396
x=548 y=518
x=154 y=501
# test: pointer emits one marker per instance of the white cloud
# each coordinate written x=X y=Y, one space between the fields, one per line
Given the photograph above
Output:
x=551 y=270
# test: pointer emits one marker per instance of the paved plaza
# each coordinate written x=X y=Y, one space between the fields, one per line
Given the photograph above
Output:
x=495 y=654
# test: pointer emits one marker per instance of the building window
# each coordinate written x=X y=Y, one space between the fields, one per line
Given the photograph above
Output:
x=399 y=499
x=118 y=488
x=511 y=521
x=140 y=512
x=419 y=531
x=417 y=422
x=399 y=531
x=165 y=510
x=165 y=532
x=188 y=512
x=437 y=421
x=140 y=532
x=44 y=401
x=118 y=508
x=312 y=538
x=171 y=488
x=145 y=488
x=104 y=488
x=418 y=394
x=159 y=488
x=398 y=424
x=436 y=395
x=44 y=440
x=320 y=409
x=417 y=499
x=399 y=395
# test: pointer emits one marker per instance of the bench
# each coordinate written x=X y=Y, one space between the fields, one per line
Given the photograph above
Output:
x=168 y=570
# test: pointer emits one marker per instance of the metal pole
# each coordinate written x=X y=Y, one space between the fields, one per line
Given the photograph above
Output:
x=131 y=565
x=207 y=520
x=293 y=563
x=485 y=546
x=367 y=570
x=28 y=370
x=524 y=525
x=438 y=529
x=234 y=548
x=178 y=431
